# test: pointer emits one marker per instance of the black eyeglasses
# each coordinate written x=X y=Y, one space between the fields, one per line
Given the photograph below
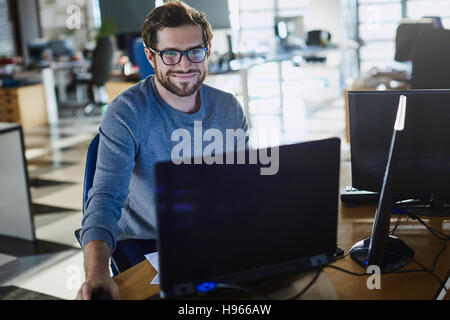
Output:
x=172 y=57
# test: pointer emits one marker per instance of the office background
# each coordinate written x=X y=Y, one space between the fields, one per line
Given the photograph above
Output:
x=46 y=50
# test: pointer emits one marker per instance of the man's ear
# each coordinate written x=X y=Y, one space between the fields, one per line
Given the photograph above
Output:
x=209 y=50
x=150 y=57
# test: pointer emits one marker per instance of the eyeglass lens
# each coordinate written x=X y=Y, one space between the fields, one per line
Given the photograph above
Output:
x=194 y=55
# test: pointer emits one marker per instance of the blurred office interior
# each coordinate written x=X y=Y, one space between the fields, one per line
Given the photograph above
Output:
x=289 y=63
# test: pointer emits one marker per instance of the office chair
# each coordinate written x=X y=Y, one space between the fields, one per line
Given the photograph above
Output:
x=145 y=68
x=405 y=37
x=119 y=261
x=97 y=77
x=431 y=60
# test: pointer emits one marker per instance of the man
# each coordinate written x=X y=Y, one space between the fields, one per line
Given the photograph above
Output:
x=136 y=132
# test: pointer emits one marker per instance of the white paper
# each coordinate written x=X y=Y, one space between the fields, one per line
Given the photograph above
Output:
x=153 y=258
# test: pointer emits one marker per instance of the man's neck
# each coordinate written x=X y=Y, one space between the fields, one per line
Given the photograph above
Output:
x=190 y=104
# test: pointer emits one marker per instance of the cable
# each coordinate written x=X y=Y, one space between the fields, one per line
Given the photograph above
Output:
x=444 y=238
x=441 y=282
x=346 y=271
x=397 y=223
x=431 y=229
x=393 y=272
x=343 y=257
x=298 y=295
x=260 y=294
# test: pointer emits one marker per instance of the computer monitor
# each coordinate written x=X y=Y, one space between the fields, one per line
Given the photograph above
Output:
x=36 y=50
x=387 y=252
x=228 y=223
x=16 y=214
x=61 y=48
x=422 y=173
x=217 y=12
x=127 y=16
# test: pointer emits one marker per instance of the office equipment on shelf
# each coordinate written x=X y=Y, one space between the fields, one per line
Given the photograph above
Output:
x=228 y=223
x=387 y=252
x=319 y=38
x=290 y=32
x=39 y=52
x=422 y=178
x=61 y=48
x=16 y=216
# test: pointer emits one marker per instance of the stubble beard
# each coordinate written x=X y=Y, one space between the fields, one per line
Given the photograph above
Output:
x=184 y=89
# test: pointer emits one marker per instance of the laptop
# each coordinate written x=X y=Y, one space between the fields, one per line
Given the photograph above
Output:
x=228 y=223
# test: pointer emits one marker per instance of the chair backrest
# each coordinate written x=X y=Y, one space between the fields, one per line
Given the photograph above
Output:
x=91 y=162
x=145 y=68
x=102 y=61
x=431 y=60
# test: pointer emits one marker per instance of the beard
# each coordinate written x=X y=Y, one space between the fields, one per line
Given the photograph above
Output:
x=183 y=89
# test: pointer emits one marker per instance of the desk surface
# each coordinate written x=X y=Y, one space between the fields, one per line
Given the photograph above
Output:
x=354 y=225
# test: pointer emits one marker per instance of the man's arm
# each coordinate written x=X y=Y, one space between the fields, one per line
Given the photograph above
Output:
x=96 y=265
x=115 y=162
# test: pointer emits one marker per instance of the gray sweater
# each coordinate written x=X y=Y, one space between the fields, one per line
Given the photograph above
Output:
x=136 y=133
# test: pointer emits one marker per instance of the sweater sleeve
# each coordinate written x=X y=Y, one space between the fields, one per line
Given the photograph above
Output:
x=118 y=147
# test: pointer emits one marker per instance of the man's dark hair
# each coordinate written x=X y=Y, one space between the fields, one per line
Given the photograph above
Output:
x=170 y=15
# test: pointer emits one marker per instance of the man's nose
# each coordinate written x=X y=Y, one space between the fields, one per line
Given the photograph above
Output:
x=185 y=63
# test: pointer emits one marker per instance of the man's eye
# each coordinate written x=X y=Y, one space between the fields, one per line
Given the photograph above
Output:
x=196 y=51
x=171 y=54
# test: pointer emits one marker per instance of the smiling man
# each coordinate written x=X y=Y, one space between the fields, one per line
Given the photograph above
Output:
x=136 y=133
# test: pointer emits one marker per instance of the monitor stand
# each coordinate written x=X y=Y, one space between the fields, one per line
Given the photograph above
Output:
x=396 y=254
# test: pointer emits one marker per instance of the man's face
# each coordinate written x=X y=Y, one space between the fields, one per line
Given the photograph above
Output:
x=184 y=78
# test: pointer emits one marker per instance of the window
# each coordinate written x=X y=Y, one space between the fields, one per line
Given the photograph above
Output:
x=6 y=34
x=378 y=21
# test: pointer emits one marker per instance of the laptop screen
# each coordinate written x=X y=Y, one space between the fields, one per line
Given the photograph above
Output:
x=229 y=222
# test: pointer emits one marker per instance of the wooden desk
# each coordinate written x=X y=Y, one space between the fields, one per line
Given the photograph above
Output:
x=24 y=105
x=354 y=225
x=115 y=88
x=134 y=284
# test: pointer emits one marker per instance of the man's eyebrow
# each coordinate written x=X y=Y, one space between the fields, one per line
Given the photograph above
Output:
x=178 y=49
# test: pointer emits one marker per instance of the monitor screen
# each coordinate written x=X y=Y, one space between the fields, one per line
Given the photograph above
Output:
x=230 y=222
x=217 y=12
x=128 y=16
x=16 y=214
x=36 y=49
x=423 y=165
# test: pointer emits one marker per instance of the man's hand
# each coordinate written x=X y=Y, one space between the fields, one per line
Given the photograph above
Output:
x=90 y=285
x=96 y=259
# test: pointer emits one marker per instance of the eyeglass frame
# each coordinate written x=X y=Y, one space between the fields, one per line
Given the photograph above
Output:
x=182 y=53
